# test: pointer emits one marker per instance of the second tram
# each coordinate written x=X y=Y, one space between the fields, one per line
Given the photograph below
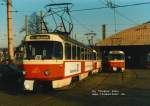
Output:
x=116 y=61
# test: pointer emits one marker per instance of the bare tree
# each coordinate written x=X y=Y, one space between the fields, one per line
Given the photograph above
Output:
x=33 y=24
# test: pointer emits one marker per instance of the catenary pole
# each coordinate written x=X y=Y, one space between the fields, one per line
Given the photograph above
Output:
x=9 y=29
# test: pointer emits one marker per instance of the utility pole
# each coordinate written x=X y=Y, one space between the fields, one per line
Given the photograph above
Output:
x=41 y=22
x=113 y=6
x=90 y=37
x=9 y=29
x=26 y=23
x=103 y=31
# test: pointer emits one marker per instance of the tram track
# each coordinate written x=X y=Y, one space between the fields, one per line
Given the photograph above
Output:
x=74 y=85
x=76 y=89
x=129 y=79
x=42 y=101
x=135 y=73
x=79 y=86
x=80 y=93
x=105 y=78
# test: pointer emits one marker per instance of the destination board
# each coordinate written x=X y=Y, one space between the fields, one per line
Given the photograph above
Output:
x=40 y=37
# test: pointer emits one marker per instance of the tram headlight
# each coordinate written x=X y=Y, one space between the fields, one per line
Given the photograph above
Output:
x=122 y=69
x=24 y=72
x=114 y=68
x=46 y=72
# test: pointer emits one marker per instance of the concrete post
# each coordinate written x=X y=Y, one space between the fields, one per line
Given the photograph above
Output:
x=9 y=29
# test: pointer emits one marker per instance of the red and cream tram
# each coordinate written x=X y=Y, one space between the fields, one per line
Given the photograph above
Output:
x=116 y=61
x=57 y=59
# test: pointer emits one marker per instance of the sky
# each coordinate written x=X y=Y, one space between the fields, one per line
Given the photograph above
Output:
x=84 y=21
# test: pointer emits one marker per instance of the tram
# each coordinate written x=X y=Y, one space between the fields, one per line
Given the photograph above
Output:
x=56 y=59
x=116 y=61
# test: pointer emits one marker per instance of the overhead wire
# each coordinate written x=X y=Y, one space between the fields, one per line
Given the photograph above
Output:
x=76 y=20
x=99 y=8
x=127 y=18
x=120 y=14
x=114 y=9
x=117 y=6
x=112 y=5
x=52 y=1
x=81 y=24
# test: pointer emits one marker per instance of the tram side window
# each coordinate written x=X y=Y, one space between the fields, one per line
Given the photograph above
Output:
x=78 y=53
x=94 y=56
x=99 y=56
x=86 y=54
x=90 y=55
x=82 y=54
x=67 y=51
x=73 y=52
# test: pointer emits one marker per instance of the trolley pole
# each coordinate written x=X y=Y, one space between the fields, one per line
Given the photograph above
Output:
x=26 y=23
x=103 y=31
x=9 y=29
x=41 y=22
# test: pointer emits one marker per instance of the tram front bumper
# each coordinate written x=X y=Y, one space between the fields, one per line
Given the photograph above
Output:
x=28 y=85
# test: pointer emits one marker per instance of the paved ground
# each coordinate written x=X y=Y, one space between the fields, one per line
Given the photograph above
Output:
x=104 y=89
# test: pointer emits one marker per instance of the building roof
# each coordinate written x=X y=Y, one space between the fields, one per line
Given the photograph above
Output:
x=138 y=35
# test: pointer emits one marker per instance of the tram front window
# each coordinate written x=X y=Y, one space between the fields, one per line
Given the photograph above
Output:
x=43 y=50
x=116 y=57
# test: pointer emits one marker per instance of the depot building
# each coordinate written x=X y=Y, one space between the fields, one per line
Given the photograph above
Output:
x=135 y=42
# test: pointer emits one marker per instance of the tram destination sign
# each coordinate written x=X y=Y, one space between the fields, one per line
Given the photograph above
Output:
x=40 y=37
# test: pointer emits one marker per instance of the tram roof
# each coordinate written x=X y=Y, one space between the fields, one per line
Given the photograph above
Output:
x=64 y=37
x=69 y=39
